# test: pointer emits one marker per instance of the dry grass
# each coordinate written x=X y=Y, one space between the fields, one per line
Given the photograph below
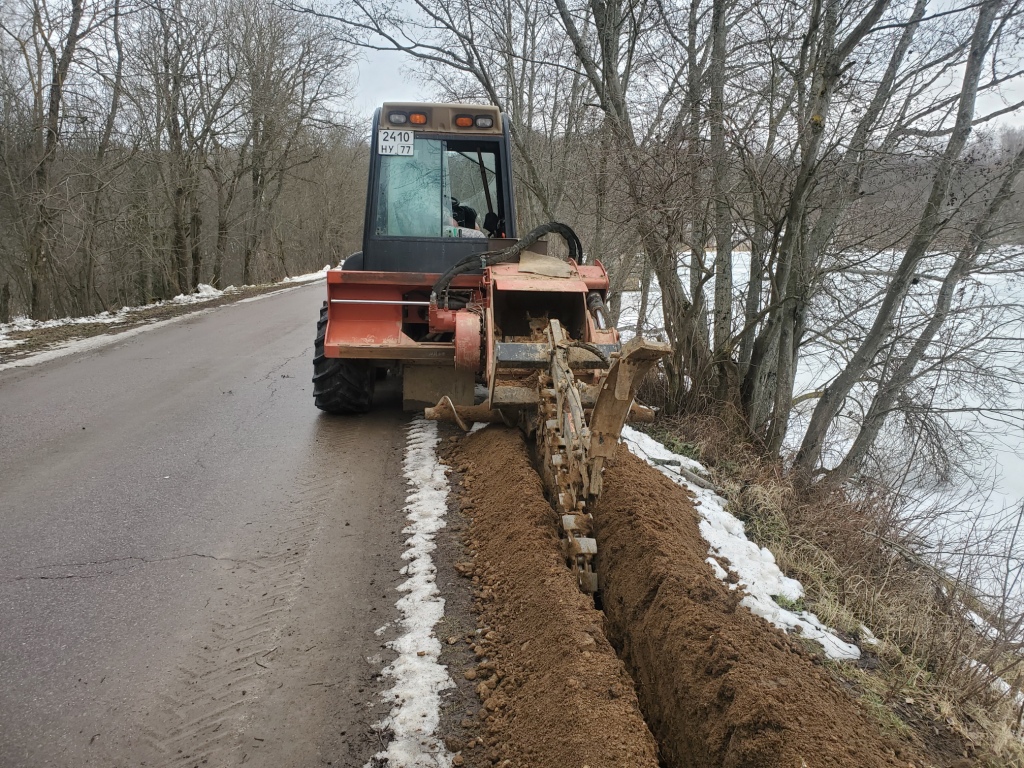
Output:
x=858 y=569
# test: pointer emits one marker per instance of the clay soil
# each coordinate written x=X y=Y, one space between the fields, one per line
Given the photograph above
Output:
x=718 y=685
x=553 y=693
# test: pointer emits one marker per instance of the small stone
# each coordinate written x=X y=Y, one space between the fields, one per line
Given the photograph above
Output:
x=452 y=640
x=457 y=760
x=421 y=653
x=470 y=674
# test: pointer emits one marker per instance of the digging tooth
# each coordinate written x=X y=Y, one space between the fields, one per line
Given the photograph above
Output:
x=571 y=451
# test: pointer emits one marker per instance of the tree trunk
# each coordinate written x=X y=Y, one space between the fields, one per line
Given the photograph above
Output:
x=195 y=231
x=42 y=232
x=889 y=390
x=645 y=290
x=722 y=350
x=930 y=224
x=5 y=303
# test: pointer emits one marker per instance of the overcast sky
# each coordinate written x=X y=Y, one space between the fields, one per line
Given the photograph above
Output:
x=389 y=76
x=385 y=76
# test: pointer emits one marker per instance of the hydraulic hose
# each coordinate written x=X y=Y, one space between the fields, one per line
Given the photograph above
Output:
x=507 y=256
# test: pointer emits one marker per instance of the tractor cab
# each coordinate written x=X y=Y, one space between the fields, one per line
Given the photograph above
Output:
x=479 y=325
x=439 y=187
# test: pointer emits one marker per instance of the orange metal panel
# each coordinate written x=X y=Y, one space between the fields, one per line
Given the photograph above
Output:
x=408 y=281
x=366 y=324
x=430 y=352
x=595 y=276
x=467 y=340
x=507 y=277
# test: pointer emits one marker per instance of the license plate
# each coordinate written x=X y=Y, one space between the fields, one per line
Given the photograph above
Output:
x=391 y=142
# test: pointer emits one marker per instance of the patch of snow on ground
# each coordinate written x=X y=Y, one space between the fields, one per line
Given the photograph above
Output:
x=755 y=567
x=980 y=624
x=203 y=292
x=998 y=684
x=309 y=277
x=419 y=678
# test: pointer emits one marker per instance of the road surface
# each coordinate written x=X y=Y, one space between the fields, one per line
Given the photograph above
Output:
x=193 y=559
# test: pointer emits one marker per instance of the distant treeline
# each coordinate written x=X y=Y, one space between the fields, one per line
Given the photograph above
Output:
x=145 y=148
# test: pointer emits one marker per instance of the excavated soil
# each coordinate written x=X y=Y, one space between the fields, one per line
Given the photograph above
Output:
x=718 y=685
x=553 y=692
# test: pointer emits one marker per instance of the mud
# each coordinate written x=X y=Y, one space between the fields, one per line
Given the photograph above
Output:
x=552 y=692
x=718 y=685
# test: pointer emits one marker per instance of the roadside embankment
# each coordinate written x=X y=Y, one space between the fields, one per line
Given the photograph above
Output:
x=718 y=685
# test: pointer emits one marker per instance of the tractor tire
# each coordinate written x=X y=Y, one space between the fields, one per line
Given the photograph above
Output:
x=340 y=385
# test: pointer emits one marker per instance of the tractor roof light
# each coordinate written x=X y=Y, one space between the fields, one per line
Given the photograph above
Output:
x=418 y=118
x=464 y=121
x=398 y=118
x=484 y=121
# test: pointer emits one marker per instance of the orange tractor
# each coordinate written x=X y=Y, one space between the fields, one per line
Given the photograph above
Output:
x=480 y=325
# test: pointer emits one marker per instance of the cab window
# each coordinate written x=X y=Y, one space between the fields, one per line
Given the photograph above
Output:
x=446 y=188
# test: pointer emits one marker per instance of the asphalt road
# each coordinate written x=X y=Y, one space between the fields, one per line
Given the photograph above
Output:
x=193 y=560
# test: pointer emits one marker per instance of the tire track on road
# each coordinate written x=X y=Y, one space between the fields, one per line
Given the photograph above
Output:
x=205 y=714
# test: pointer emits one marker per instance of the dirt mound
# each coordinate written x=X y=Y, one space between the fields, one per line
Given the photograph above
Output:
x=554 y=693
x=719 y=687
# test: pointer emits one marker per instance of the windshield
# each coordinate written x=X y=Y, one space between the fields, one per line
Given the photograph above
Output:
x=446 y=188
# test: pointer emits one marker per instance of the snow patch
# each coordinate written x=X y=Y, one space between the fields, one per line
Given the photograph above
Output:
x=999 y=685
x=308 y=277
x=203 y=292
x=113 y=318
x=868 y=636
x=754 y=567
x=418 y=677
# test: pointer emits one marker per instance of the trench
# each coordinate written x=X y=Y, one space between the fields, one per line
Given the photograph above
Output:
x=718 y=686
x=700 y=676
